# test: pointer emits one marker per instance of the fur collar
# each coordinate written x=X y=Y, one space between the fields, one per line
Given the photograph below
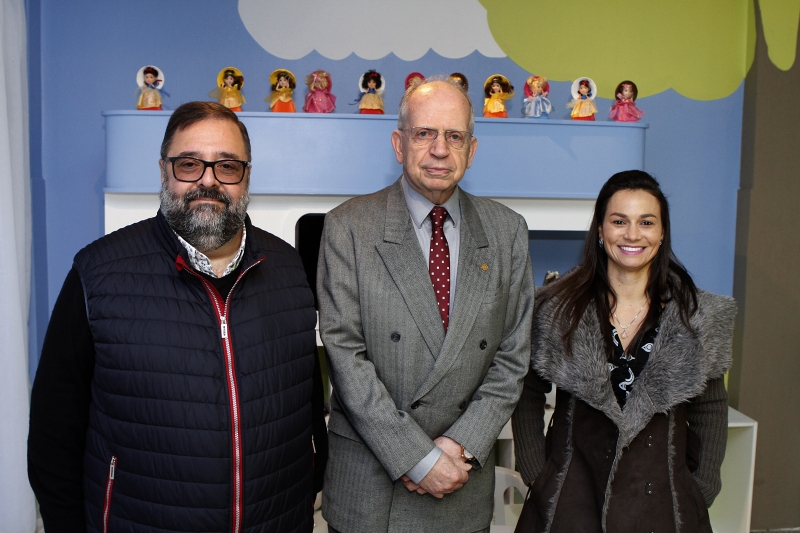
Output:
x=677 y=371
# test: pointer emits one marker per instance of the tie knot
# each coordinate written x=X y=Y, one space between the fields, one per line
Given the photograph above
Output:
x=438 y=214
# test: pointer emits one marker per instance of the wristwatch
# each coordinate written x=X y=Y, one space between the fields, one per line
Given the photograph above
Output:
x=466 y=455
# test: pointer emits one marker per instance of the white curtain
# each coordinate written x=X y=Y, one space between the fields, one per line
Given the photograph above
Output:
x=17 y=505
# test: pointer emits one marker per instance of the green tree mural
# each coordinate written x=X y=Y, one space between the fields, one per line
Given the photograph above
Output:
x=701 y=49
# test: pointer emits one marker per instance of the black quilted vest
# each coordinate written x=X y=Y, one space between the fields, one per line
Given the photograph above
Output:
x=201 y=412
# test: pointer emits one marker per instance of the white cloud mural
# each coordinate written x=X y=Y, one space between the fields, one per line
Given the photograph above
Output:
x=369 y=28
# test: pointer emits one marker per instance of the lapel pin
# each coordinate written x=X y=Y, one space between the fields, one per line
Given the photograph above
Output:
x=484 y=267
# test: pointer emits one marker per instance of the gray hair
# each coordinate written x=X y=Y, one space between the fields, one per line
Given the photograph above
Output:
x=402 y=111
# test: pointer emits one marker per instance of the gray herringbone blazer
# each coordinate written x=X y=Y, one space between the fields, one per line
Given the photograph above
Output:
x=398 y=381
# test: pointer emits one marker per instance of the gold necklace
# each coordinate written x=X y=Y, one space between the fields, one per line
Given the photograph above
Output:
x=625 y=328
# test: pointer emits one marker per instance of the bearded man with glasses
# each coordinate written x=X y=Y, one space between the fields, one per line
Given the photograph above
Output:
x=425 y=296
x=174 y=391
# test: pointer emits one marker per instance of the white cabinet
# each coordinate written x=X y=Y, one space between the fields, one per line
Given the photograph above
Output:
x=731 y=510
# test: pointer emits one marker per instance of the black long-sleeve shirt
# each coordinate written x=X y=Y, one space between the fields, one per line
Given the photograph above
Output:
x=60 y=412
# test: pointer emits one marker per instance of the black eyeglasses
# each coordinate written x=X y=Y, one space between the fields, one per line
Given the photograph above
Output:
x=425 y=136
x=226 y=171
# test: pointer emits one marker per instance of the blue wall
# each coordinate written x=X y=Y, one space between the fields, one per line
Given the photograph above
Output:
x=85 y=55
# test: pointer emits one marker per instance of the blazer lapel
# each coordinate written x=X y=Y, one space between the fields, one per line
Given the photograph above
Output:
x=406 y=265
x=471 y=285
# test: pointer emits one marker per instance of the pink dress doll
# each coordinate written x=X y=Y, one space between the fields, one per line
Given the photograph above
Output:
x=624 y=109
x=319 y=98
x=582 y=104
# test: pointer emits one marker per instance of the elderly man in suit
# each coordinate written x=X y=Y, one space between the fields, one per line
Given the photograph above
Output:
x=427 y=362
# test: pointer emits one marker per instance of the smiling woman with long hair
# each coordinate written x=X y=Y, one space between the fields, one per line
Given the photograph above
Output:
x=638 y=355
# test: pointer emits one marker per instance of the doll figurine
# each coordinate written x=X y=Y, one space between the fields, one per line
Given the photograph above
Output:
x=460 y=79
x=583 y=93
x=283 y=83
x=624 y=109
x=151 y=83
x=497 y=89
x=319 y=98
x=536 y=104
x=372 y=86
x=229 y=88
x=414 y=79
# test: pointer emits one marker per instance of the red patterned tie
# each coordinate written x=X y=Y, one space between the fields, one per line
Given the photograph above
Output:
x=439 y=266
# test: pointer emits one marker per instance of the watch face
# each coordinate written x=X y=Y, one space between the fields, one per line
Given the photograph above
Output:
x=466 y=455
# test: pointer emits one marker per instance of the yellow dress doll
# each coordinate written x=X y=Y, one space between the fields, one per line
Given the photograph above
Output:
x=497 y=90
x=372 y=86
x=582 y=104
x=150 y=81
x=229 y=88
x=283 y=83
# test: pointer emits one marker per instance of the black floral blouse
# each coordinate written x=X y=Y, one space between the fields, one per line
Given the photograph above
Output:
x=626 y=367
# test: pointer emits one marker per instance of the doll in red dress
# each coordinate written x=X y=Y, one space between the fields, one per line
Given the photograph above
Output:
x=624 y=109
x=414 y=79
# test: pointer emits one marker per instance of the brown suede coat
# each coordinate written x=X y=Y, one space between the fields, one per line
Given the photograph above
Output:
x=627 y=470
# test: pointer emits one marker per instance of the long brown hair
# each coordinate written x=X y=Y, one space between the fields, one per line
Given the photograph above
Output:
x=588 y=283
